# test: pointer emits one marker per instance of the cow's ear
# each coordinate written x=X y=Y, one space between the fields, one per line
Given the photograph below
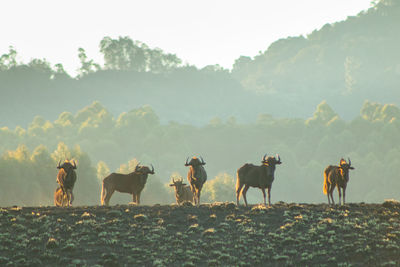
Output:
x=184 y=184
x=351 y=168
x=171 y=184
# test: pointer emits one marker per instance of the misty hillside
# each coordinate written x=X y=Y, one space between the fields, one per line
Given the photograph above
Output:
x=344 y=63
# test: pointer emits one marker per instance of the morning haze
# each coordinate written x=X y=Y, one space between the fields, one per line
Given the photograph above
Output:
x=312 y=99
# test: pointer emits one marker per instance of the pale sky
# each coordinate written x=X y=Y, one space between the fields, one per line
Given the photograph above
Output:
x=199 y=32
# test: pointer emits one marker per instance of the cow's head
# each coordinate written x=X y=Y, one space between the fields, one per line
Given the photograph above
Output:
x=144 y=169
x=194 y=162
x=67 y=165
x=179 y=185
x=344 y=168
x=271 y=161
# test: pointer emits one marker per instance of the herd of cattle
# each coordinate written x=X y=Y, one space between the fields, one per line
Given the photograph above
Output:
x=248 y=175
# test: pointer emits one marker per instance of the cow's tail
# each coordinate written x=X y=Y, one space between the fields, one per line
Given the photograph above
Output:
x=238 y=185
x=103 y=194
x=325 y=188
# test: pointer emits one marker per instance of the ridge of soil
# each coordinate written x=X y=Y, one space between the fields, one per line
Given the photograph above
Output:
x=218 y=234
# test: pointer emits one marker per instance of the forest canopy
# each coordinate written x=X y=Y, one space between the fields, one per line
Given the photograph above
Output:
x=103 y=143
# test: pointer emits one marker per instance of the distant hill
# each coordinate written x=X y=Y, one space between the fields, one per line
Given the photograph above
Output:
x=344 y=63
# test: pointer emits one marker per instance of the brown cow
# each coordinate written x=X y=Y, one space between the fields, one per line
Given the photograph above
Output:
x=66 y=178
x=196 y=176
x=337 y=176
x=262 y=177
x=132 y=183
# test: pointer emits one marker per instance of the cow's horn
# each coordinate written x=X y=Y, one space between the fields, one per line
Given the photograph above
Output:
x=263 y=159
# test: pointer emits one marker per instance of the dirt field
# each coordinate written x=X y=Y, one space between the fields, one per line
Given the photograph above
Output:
x=217 y=234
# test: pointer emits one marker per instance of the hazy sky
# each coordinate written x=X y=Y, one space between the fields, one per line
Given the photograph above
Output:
x=199 y=32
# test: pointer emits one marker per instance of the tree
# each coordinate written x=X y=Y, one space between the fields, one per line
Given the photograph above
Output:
x=87 y=66
x=8 y=61
x=102 y=170
x=123 y=54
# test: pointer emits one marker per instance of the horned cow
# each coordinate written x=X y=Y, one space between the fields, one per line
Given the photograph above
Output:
x=132 y=183
x=182 y=191
x=196 y=176
x=337 y=176
x=250 y=175
x=66 y=178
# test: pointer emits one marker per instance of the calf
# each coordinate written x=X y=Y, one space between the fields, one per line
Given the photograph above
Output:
x=182 y=191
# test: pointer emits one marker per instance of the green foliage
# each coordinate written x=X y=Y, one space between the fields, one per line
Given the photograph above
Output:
x=87 y=66
x=127 y=55
x=8 y=61
x=30 y=178
x=221 y=188
x=305 y=146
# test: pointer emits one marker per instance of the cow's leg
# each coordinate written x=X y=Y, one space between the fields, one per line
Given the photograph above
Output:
x=198 y=198
x=327 y=193
x=344 y=195
x=109 y=193
x=340 y=194
x=246 y=187
x=269 y=196
x=58 y=197
x=263 y=191
x=238 y=191
x=70 y=198
x=330 y=194
x=138 y=198
x=194 y=198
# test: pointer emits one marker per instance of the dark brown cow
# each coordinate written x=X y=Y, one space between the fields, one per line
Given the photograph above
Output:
x=182 y=191
x=337 y=176
x=66 y=178
x=132 y=183
x=196 y=176
x=250 y=175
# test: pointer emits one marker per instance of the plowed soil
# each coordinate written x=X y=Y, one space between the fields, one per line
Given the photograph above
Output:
x=218 y=234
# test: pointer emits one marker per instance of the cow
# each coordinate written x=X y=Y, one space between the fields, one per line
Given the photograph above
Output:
x=182 y=191
x=337 y=176
x=132 y=183
x=60 y=199
x=250 y=175
x=66 y=179
x=196 y=176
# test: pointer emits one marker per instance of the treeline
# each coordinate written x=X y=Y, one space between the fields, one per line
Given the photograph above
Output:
x=344 y=63
x=306 y=147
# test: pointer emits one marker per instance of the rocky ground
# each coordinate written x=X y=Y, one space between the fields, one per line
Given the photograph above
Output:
x=217 y=234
